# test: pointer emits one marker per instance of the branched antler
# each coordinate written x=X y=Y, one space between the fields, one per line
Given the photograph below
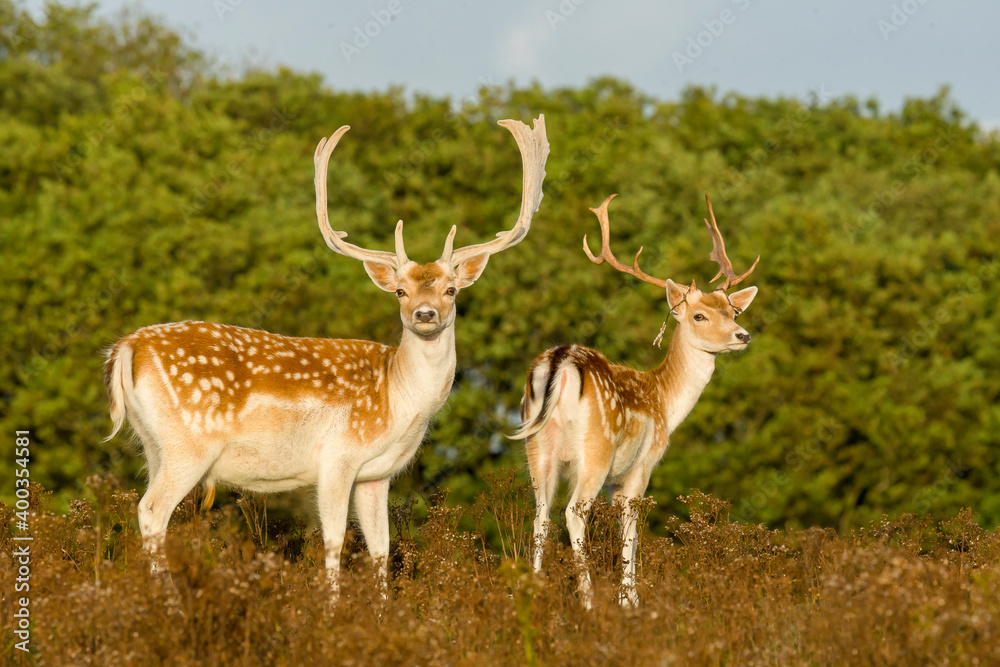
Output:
x=607 y=256
x=718 y=255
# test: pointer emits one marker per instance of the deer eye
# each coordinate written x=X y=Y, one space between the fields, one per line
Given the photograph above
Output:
x=451 y=291
x=400 y=293
x=698 y=317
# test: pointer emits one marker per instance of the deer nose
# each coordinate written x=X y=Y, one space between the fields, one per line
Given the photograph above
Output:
x=743 y=337
x=424 y=315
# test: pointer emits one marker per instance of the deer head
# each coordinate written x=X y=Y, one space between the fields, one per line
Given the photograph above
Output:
x=708 y=318
x=427 y=292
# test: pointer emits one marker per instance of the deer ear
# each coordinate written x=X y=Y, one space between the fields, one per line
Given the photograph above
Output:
x=469 y=271
x=742 y=299
x=382 y=275
x=675 y=295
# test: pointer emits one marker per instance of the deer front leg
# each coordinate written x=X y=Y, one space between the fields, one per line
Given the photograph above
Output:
x=334 y=490
x=371 y=503
x=630 y=539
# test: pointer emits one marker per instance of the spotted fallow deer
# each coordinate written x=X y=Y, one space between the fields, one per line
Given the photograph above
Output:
x=213 y=403
x=599 y=424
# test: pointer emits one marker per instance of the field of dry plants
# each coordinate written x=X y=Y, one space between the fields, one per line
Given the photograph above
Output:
x=248 y=590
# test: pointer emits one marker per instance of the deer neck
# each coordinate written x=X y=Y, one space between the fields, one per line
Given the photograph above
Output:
x=423 y=369
x=682 y=377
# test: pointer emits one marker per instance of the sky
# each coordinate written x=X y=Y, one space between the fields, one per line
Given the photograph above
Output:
x=887 y=49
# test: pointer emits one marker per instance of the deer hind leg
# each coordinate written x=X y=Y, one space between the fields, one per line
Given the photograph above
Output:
x=589 y=482
x=371 y=503
x=544 y=469
x=150 y=447
x=171 y=478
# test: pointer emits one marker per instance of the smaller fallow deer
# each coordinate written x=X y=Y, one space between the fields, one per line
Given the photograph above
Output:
x=212 y=403
x=600 y=424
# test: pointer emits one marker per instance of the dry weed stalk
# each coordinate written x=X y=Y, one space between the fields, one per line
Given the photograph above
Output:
x=900 y=591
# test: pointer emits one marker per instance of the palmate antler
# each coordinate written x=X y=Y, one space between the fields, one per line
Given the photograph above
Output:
x=321 y=160
x=717 y=255
x=534 y=147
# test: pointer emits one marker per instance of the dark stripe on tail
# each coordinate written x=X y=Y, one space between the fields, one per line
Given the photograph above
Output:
x=556 y=357
x=558 y=354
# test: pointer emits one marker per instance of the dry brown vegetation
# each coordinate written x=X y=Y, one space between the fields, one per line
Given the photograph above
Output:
x=248 y=590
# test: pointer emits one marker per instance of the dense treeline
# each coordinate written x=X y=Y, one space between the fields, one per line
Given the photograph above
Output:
x=138 y=186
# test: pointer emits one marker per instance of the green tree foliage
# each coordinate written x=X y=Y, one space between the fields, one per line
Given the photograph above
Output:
x=137 y=186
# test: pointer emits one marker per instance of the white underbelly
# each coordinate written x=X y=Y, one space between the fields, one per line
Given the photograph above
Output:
x=260 y=457
x=267 y=464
